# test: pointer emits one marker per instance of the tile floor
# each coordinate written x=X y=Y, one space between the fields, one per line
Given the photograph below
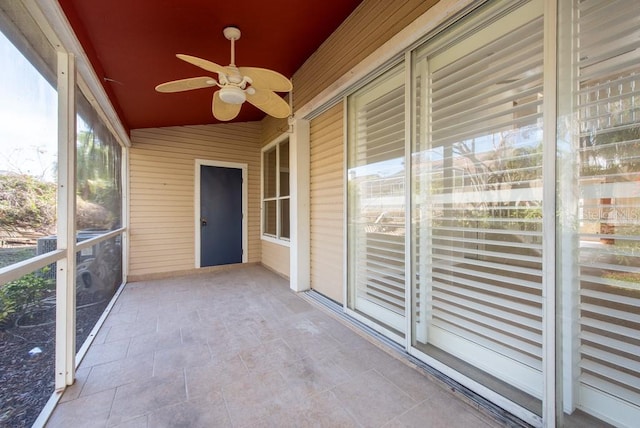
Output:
x=237 y=348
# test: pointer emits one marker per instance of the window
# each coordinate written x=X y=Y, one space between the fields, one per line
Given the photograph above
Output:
x=275 y=191
x=28 y=208
x=600 y=199
x=477 y=280
x=376 y=225
x=491 y=254
x=98 y=171
x=98 y=211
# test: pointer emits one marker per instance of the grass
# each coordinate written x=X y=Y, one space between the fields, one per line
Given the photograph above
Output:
x=9 y=256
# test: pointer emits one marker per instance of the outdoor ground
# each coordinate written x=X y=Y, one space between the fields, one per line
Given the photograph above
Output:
x=27 y=352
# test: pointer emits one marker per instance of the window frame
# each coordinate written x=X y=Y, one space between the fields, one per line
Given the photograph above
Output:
x=44 y=22
x=278 y=198
x=359 y=102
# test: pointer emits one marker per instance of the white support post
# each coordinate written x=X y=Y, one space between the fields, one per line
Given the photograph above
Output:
x=125 y=213
x=65 y=275
x=300 y=254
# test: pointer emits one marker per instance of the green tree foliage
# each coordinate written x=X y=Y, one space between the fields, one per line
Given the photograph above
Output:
x=612 y=152
x=98 y=181
x=23 y=293
x=26 y=203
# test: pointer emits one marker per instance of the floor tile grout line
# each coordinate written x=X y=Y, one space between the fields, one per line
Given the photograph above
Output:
x=113 y=400
x=395 y=385
x=153 y=364
x=395 y=418
x=85 y=382
x=354 y=417
x=186 y=385
x=226 y=406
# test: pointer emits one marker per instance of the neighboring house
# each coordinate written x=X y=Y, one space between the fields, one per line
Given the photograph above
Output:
x=483 y=252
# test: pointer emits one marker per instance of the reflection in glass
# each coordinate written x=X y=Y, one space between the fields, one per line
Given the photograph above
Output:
x=98 y=172
x=599 y=196
x=98 y=276
x=477 y=204
x=284 y=168
x=270 y=219
x=270 y=173
x=284 y=219
x=376 y=189
x=98 y=210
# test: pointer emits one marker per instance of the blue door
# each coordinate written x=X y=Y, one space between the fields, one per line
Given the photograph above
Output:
x=220 y=215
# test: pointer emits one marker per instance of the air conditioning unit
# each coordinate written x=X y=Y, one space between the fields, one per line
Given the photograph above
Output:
x=47 y=244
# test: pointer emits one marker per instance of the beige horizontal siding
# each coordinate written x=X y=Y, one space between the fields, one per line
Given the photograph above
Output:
x=276 y=257
x=162 y=189
x=162 y=162
x=326 y=203
x=272 y=128
x=370 y=25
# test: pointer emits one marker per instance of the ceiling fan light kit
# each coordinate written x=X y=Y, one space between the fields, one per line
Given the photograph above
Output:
x=232 y=95
x=256 y=85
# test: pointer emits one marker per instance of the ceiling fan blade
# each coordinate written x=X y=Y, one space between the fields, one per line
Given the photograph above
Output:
x=203 y=63
x=224 y=111
x=186 y=84
x=269 y=102
x=266 y=79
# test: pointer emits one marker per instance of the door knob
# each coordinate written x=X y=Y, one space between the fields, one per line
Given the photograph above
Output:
x=203 y=221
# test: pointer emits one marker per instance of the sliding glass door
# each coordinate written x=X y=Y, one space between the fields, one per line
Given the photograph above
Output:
x=599 y=190
x=376 y=225
x=522 y=171
x=477 y=200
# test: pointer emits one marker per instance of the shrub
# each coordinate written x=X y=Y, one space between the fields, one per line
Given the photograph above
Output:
x=26 y=203
x=26 y=291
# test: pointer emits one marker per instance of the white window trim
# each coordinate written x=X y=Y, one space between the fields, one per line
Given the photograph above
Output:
x=285 y=242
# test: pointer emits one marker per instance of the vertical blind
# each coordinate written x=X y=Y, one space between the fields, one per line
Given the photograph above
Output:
x=608 y=112
x=376 y=198
x=478 y=159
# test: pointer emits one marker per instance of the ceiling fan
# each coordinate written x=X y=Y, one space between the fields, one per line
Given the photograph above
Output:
x=237 y=85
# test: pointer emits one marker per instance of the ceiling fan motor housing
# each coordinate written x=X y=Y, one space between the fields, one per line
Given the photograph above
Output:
x=232 y=95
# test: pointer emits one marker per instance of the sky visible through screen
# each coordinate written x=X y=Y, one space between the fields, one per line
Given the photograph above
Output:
x=28 y=117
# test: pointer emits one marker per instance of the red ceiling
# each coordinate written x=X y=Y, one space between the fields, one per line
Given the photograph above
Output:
x=132 y=46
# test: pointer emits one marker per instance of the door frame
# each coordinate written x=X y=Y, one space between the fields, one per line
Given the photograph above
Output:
x=196 y=206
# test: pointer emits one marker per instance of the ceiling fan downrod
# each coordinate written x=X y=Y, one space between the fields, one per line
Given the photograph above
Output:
x=232 y=34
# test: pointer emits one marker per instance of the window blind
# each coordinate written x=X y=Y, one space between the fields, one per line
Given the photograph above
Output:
x=376 y=200
x=479 y=158
x=608 y=110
